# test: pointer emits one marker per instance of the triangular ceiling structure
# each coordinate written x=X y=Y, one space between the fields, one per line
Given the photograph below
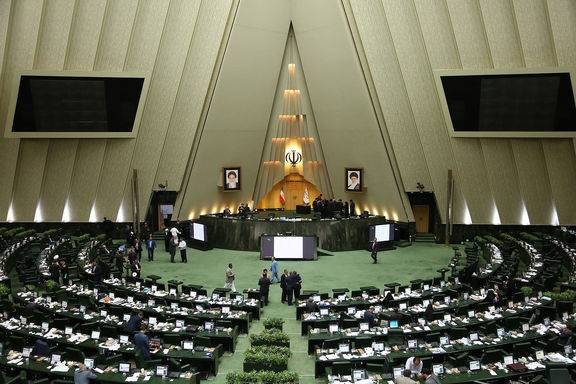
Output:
x=292 y=127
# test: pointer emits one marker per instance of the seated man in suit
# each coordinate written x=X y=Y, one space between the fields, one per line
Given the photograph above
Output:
x=370 y=317
x=142 y=342
x=135 y=322
x=405 y=378
x=311 y=306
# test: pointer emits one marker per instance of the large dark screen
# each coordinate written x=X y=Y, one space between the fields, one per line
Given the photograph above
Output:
x=76 y=104
x=528 y=102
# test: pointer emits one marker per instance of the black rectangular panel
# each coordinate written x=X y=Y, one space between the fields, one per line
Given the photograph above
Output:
x=76 y=104
x=511 y=103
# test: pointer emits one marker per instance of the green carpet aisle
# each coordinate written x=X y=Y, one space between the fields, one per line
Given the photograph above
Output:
x=344 y=269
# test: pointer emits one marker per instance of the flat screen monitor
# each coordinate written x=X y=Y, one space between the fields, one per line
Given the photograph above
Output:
x=393 y=323
x=359 y=374
x=378 y=346
x=398 y=372
x=521 y=102
x=412 y=344
x=344 y=348
x=124 y=368
x=364 y=326
x=288 y=247
x=351 y=310
x=333 y=328
x=26 y=352
x=62 y=105
x=89 y=363
x=438 y=369
x=508 y=360
x=198 y=232
x=188 y=345
x=55 y=359
x=208 y=326
x=179 y=323
x=324 y=311
x=124 y=339
x=474 y=365
x=162 y=371
x=381 y=232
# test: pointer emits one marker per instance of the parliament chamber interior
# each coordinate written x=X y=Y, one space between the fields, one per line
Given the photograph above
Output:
x=287 y=191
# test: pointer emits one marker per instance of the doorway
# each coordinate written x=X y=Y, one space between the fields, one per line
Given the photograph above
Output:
x=425 y=211
x=421 y=217
x=160 y=210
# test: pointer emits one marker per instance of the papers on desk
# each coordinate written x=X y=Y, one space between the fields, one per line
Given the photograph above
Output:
x=437 y=350
x=60 y=367
x=132 y=378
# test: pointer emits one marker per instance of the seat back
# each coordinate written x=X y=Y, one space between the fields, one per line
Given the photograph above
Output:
x=362 y=342
x=558 y=376
x=343 y=368
x=491 y=356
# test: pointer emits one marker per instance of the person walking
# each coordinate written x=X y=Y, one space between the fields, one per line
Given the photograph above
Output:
x=264 y=284
x=150 y=247
x=290 y=285
x=283 y=286
x=138 y=248
x=274 y=270
x=230 y=277
x=182 y=247
x=374 y=251
x=173 y=245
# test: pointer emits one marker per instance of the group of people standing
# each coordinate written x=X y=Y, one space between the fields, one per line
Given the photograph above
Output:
x=173 y=242
x=332 y=207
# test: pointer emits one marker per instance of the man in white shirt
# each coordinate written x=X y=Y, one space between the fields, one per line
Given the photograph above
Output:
x=230 y=277
x=414 y=365
x=174 y=231
x=182 y=247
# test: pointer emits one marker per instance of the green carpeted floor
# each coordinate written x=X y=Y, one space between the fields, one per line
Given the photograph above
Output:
x=344 y=269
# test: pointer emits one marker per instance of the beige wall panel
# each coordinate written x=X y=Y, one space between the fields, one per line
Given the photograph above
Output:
x=561 y=166
x=468 y=49
x=415 y=65
x=240 y=108
x=178 y=30
x=501 y=33
x=535 y=33
x=115 y=35
x=57 y=177
x=28 y=178
x=192 y=92
x=89 y=157
x=563 y=23
x=111 y=53
x=317 y=25
x=466 y=20
x=501 y=172
x=19 y=55
x=5 y=9
x=506 y=52
x=392 y=95
x=533 y=179
x=53 y=34
x=141 y=56
x=85 y=34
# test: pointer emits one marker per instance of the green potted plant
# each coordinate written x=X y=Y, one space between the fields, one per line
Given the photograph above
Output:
x=273 y=323
x=4 y=291
x=51 y=285
x=527 y=291
x=266 y=358
x=270 y=337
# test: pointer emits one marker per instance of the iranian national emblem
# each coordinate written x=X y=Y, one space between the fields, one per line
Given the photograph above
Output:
x=293 y=157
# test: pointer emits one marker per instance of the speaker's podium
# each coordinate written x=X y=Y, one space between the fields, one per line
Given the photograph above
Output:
x=303 y=209
x=288 y=247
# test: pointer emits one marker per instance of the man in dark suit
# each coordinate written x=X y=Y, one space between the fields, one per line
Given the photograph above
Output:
x=142 y=342
x=135 y=322
x=264 y=284
x=283 y=286
x=374 y=250
x=370 y=317
x=291 y=282
x=352 y=207
x=311 y=306
x=96 y=272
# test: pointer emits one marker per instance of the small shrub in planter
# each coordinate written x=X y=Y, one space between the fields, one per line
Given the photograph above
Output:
x=4 y=290
x=568 y=295
x=273 y=323
x=51 y=285
x=266 y=358
x=270 y=337
x=527 y=291
x=262 y=378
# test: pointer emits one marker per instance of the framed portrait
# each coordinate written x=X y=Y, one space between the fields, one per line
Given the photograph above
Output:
x=231 y=179
x=353 y=180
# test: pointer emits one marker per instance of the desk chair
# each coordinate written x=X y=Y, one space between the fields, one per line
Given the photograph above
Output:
x=362 y=342
x=171 y=339
x=341 y=368
x=331 y=343
x=143 y=363
x=558 y=376
x=492 y=356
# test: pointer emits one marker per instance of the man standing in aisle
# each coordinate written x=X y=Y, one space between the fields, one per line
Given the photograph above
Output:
x=150 y=247
x=274 y=270
x=374 y=250
x=264 y=284
x=230 y=277
x=283 y=286
x=182 y=247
